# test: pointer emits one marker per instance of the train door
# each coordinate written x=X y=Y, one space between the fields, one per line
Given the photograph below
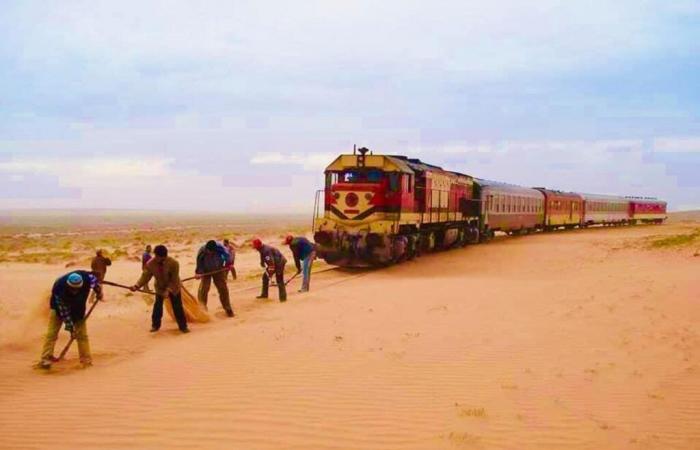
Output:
x=420 y=193
x=571 y=211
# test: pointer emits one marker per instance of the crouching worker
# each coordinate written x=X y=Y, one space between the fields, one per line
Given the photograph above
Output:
x=304 y=254
x=273 y=262
x=166 y=271
x=68 y=298
x=213 y=264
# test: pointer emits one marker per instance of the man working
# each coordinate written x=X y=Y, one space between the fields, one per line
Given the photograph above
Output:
x=304 y=253
x=213 y=263
x=145 y=257
x=273 y=262
x=166 y=271
x=99 y=265
x=232 y=252
x=68 y=298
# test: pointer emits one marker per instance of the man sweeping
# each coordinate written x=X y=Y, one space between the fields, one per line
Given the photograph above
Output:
x=304 y=254
x=166 y=271
x=68 y=298
x=99 y=265
x=231 y=251
x=213 y=264
x=273 y=262
x=145 y=257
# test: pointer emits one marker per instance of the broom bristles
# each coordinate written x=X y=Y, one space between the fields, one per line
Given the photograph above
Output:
x=194 y=312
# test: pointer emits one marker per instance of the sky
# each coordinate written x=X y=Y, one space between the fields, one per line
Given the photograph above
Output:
x=238 y=106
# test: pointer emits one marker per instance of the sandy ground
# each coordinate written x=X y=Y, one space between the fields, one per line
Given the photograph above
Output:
x=571 y=340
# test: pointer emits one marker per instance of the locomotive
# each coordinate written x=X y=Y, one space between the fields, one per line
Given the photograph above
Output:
x=382 y=209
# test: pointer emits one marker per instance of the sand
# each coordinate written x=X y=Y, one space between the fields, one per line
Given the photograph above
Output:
x=570 y=340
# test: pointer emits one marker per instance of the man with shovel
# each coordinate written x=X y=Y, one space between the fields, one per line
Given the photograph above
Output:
x=273 y=262
x=166 y=271
x=68 y=298
x=213 y=264
x=304 y=254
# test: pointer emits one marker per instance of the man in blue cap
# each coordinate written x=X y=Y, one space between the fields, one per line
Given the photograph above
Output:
x=68 y=298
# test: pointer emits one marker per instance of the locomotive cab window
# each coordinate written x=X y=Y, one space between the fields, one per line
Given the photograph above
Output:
x=394 y=182
x=362 y=176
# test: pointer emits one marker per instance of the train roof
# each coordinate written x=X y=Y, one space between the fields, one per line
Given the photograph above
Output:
x=604 y=197
x=557 y=193
x=512 y=188
x=647 y=200
x=420 y=166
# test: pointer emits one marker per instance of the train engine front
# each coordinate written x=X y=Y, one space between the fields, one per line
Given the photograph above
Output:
x=362 y=207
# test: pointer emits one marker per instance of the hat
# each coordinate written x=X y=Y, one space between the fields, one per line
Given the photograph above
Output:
x=288 y=240
x=75 y=280
x=257 y=244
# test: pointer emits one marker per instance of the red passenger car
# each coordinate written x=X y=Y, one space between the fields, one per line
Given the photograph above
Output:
x=647 y=210
x=562 y=209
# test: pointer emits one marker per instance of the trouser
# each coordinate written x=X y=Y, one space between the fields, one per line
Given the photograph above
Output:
x=157 y=316
x=55 y=323
x=279 y=277
x=221 y=287
x=306 y=271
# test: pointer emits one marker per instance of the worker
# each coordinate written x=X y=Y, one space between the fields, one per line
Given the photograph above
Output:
x=273 y=262
x=213 y=263
x=145 y=257
x=99 y=265
x=68 y=298
x=166 y=271
x=304 y=253
x=232 y=251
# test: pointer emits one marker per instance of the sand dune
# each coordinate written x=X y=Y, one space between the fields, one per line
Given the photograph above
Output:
x=576 y=340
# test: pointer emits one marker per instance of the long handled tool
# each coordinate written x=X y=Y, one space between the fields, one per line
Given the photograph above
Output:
x=70 y=342
x=123 y=286
x=206 y=274
x=287 y=282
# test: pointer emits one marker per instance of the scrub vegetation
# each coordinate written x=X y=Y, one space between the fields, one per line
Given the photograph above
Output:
x=676 y=240
x=54 y=239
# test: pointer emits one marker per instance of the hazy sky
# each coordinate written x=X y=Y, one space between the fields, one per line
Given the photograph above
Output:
x=238 y=106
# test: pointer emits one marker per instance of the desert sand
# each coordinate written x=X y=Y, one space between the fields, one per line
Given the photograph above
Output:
x=584 y=339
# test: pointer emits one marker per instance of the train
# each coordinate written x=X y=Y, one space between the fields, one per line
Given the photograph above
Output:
x=382 y=209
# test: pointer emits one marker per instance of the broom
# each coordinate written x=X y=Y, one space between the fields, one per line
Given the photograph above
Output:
x=70 y=342
x=193 y=311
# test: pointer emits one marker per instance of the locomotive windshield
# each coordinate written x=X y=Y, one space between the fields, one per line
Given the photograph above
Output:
x=361 y=176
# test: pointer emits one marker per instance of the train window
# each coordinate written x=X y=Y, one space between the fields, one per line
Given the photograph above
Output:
x=331 y=179
x=409 y=180
x=393 y=181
